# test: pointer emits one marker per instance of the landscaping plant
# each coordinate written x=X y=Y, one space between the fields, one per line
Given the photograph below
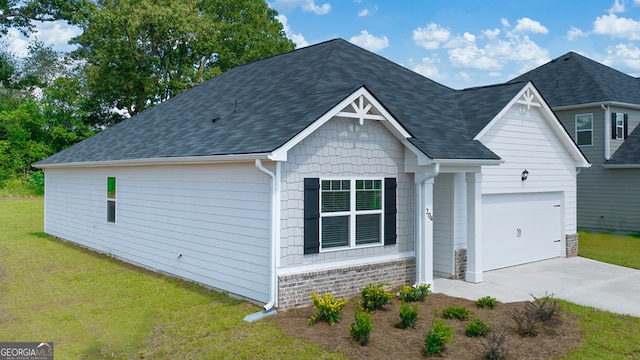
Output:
x=327 y=308
x=408 y=315
x=457 y=312
x=544 y=307
x=477 y=328
x=414 y=293
x=374 y=297
x=439 y=335
x=526 y=320
x=486 y=302
x=360 y=330
x=494 y=344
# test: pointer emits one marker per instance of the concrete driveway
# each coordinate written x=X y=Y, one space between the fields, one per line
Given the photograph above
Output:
x=578 y=280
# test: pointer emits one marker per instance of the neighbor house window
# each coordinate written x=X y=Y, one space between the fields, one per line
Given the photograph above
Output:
x=111 y=199
x=619 y=125
x=584 y=129
x=345 y=213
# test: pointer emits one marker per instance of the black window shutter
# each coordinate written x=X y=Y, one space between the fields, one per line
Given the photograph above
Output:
x=613 y=126
x=390 y=211
x=311 y=215
x=626 y=125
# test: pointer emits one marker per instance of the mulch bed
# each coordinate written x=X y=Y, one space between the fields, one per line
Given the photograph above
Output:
x=556 y=336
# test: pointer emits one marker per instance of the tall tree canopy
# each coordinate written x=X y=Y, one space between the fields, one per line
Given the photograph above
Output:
x=20 y=13
x=141 y=52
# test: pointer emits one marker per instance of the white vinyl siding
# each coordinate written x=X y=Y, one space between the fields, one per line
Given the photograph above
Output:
x=206 y=223
x=443 y=222
x=524 y=140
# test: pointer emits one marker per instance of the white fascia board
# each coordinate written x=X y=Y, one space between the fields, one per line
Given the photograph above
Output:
x=187 y=160
x=550 y=117
x=280 y=154
x=469 y=162
x=597 y=104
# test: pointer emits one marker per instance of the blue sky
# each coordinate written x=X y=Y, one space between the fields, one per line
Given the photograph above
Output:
x=457 y=43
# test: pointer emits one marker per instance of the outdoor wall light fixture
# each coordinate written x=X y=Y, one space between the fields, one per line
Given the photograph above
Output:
x=525 y=175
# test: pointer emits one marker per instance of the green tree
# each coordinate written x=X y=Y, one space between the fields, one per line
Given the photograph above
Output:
x=141 y=52
x=19 y=14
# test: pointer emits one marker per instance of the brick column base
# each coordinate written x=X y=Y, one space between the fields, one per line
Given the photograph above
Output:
x=572 y=244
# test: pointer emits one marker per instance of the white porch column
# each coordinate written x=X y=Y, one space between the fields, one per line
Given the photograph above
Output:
x=474 y=227
x=424 y=236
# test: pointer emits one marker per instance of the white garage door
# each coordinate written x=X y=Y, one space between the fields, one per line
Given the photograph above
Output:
x=520 y=228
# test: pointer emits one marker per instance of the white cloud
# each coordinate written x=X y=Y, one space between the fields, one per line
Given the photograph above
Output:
x=614 y=26
x=297 y=39
x=574 y=33
x=505 y=22
x=305 y=5
x=367 y=12
x=17 y=44
x=370 y=42
x=56 y=34
x=429 y=67
x=617 y=7
x=431 y=37
x=491 y=34
x=526 y=25
x=472 y=57
x=623 y=56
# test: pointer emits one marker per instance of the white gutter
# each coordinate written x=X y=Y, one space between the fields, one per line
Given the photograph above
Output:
x=607 y=132
x=275 y=228
x=420 y=209
x=597 y=104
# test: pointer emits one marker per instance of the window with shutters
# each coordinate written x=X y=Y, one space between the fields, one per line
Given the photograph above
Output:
x=584 y=129
x=619 y=125
x=351 y=213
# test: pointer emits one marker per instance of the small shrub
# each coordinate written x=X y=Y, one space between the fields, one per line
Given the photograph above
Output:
x=374 y=297
x=417 y=293
x=526 y=321
x=477 y=328
x=360 y=330
x=544 y=307
x=327 y=308
x=457 y=312
x=439 y=335
x=486 y=302
x=494 y=345
x=408 y=315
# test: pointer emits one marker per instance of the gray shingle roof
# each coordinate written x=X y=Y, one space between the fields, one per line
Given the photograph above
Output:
x=259 y=106
x=573 y=79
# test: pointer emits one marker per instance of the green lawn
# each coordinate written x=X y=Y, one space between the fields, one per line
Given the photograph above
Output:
x=94 y=307
x=614 y=249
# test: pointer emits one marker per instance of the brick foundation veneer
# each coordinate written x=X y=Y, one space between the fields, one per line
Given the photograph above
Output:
x=460 y=264
x=294 y=289
x=572 y=245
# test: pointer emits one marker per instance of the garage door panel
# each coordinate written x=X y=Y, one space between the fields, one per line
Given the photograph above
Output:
x=520 y=228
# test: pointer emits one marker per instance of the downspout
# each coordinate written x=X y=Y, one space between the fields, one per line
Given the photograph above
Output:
x=420 y=181
x=607 y=132
x=274 y=243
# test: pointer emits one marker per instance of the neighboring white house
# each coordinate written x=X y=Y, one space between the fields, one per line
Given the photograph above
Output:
x=323 y=169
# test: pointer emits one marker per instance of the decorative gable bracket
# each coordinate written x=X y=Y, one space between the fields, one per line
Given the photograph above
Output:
x=362 y=110
x=528 y=99
x=360 y=105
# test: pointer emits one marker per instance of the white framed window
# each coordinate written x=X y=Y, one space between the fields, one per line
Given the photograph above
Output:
x=619 y=126
x=351 y=213
x=584 y=129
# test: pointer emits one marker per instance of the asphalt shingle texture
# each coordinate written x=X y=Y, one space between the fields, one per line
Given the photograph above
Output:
x=259 y=106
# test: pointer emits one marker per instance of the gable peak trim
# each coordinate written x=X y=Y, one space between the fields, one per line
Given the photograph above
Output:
x=360 y=105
